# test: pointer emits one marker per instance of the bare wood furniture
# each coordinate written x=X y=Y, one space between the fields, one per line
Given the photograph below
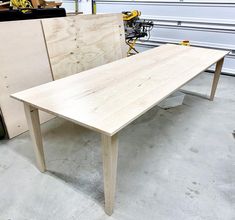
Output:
x=109 y=97
x=52 y=49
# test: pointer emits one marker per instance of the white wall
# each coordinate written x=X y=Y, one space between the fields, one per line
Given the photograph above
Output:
x=84 y=6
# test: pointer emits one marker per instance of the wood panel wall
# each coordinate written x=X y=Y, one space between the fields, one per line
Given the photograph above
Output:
x=79 y=43
x=23 y=64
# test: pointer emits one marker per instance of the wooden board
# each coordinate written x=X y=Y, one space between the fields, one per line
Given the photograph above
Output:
x=23 y=64
x=109 y=97
x=82 y=42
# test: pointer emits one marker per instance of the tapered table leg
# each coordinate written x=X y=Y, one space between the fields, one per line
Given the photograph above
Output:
x=218 y=69
x=110 y=154
x=35 y=133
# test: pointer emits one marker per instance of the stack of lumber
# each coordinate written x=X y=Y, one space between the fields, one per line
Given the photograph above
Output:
x=52 y=4
x=45 y=4
x=52 y=49
x=4 y=5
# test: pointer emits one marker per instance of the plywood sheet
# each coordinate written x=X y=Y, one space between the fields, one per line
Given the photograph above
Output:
x=82 y=42
x=109 y=97
x=23 y=64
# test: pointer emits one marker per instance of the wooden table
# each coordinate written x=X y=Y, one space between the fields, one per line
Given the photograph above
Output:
x=108 y=98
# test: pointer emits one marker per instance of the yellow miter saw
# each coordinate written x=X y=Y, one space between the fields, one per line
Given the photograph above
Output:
x=135 y=28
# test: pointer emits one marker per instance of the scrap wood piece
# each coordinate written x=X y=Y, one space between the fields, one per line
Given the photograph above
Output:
x=82 y=42
x=4 y=3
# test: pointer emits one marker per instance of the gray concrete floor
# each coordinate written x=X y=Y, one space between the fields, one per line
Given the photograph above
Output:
x=173 y=164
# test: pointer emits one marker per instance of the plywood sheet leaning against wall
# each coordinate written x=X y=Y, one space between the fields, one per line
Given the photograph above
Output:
x=82 y=42
x=23 y=64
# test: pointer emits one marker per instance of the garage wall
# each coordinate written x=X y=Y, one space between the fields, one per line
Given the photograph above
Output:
x=84 y=6
x=209 y=24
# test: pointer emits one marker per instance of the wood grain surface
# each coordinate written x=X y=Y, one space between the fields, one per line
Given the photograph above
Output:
x=109 y=97
x=82 y=42
x=23 y=64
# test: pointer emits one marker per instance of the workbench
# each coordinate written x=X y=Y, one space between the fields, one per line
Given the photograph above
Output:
x=108 y=98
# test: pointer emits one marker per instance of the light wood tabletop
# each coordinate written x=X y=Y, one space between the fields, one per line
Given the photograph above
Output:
x=109 y=97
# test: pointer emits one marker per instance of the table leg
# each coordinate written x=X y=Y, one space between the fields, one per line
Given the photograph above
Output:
x=110 y=154
x=218 y=69
x=32 y=117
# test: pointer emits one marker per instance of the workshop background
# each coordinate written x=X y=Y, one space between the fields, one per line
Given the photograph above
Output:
x=175 y=162
x=209 y=24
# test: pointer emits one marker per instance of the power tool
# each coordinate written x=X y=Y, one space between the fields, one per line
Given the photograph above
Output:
x=135 y=29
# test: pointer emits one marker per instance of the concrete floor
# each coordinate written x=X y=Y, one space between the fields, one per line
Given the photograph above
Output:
x=175 y=164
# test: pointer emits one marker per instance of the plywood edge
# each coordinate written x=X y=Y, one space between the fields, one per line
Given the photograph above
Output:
x=45 y=42
x=123 y=44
